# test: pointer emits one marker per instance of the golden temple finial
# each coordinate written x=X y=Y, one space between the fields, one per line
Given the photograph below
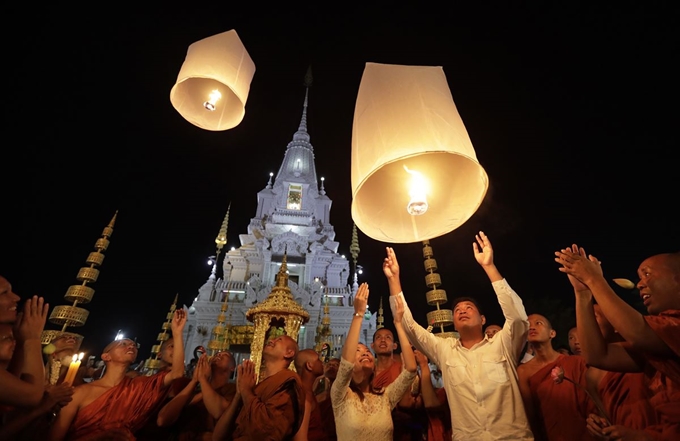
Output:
x=72 y=315
x=153 y=363
x=282 y=276
x=278 y=314
x=381 y=317
x=439 y=317
x=220 y=339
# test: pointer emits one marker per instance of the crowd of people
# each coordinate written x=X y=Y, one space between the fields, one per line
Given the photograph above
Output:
x=619 y=380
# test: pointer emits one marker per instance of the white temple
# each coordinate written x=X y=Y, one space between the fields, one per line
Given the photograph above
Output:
x=292 y=217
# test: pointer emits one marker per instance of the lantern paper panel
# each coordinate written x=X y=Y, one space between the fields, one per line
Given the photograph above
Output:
x=415 y=174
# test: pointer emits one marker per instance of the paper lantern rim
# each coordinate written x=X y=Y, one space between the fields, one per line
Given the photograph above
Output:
x=357 y=187
x=384 y=232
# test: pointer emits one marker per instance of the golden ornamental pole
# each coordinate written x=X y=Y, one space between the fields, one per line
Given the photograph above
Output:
x=435 y=297
x=72 y=315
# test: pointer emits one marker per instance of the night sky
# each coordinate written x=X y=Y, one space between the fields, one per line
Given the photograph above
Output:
x=572 y=112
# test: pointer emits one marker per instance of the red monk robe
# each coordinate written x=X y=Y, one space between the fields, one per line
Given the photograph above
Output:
x=151 y=431
x=121 y=410
x=562 y=408
x=318 y=430
x=328 y=419
x=385 y=377
x=276 y=412
x=625 y=398
x=665 y=384
x=439 y=419
x=195 y=422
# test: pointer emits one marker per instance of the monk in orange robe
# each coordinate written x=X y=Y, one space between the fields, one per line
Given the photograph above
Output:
x=562 y=408
x=309 y=367
x=117 y=404
x=650 y=342
x=277 y=411
x=665 y=384
x=623 y=395
x=272 y=409
x=122 y=409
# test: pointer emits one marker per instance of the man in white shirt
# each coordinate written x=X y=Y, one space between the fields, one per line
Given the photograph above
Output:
x=479 y=374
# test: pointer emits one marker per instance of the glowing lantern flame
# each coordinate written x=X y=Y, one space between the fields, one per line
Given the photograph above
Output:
x=418 y=193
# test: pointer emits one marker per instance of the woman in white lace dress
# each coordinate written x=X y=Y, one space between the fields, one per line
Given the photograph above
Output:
x=361 y=412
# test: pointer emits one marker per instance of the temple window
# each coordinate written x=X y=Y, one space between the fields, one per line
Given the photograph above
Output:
x=294 y=197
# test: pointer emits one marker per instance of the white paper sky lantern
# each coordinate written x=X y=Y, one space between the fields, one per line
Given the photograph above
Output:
x=415 y=175
x=213 y=84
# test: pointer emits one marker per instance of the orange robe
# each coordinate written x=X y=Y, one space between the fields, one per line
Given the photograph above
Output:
x=439 y=419
x=276 y=412
x=151 y=431
x=562 y=408
x=625 y=397
x=665 y=384
x=387 y=376
x=121 y=410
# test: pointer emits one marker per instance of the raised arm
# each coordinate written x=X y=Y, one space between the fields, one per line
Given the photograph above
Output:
x=224 y=426
x=427 y=389
x=516 y=325
x=215 y=403
x=27 y=389
x=169 y=413
x=408 y=357
x=349 y=349
x=596 y=351
x=630 y=324
x=425 y=341
x=484 y=255
x=179 y=319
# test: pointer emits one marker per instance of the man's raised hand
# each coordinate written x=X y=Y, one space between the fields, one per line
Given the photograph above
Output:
x=390 y=264
x=482 y=249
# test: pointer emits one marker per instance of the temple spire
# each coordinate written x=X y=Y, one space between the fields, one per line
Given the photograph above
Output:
x=301 y=134
x=322 y=190
x=220 y=241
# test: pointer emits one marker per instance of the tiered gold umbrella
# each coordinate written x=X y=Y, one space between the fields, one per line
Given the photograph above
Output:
x=323 y=333
x=276 y=315
x=153 y=363
x=72 y=315
x=220 y=336
x=381 y=317
x=439 y=318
